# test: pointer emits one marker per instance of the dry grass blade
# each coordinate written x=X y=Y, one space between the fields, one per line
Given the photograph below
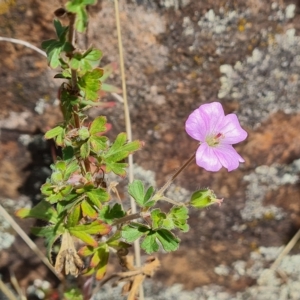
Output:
x=137 y=249
x=16 y=285
x=286 y=250
x=26 y=44
x=27 y=240
x=6 y=291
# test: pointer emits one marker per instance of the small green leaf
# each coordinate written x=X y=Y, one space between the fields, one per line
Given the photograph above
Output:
x=86 y=251
x=88 y=210
x=136 y=190
x=85 y=150
x=68 y=153
x=74 y=217
x=117 y=152
x=98 y=143
x=83 y=236
x=96 y=227
x=169 y=241
x=90 y=84
x=150 y=244
x=109 y=214
x=134 y=231
x=54 y=48
x=52 y=133
x=83 y=133
x=98 y=196
x=43 y=211
x=98 y=125
x=158 y=217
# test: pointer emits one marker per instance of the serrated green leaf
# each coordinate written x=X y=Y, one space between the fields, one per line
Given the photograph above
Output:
x=52 y=133
x=96 y=227
x=43 y=211
x=54 y=48
x=98 y=196
x=86 y=251
x=136 y=190
x=118 y=151
x=86 y=61
x=109 y=214
x=98 y=125
x=168 y=241
x=71 y=168
x=158 y=217
x=98 y=143
x=88 y=210
x=134 y=231
x=83 y=236
x=85 y=150
x=103 y=254
x=74 y=217
x=150 y=244
x=83 y=133
x=90 y=84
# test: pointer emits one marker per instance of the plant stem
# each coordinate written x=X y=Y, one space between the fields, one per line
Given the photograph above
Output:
x=127 y=218
x=160 y=193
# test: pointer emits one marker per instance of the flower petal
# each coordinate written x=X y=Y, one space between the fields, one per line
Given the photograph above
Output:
x=228 y=156
x=207 y=159
x=204 y=120
x=232 y=130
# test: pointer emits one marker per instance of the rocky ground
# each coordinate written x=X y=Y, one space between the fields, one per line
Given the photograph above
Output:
x=179 y=54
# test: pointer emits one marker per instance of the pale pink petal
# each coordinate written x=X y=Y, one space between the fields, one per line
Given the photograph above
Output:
x=195 y=126
x=228 y=156
x=204 y=120
x=206 y=158
x=232 y=131
x=213 y=114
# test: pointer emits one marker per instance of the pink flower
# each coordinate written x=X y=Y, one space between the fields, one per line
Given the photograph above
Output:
x=216 y=133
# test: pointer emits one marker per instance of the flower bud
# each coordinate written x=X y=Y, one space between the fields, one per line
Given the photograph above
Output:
x=204 y=198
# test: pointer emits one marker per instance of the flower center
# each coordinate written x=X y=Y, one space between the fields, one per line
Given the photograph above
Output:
x=214 y=140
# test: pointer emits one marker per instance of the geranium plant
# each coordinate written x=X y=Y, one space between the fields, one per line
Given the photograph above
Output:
x=78 y=203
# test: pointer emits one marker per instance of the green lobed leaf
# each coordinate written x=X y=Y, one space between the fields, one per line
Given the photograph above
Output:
x=103 y=254
x=136 y=190
x=74 y=217
x=158 y=218
x=88 y=210
x=109 y=214
x=43 y=211
x=54 y=48
x=52 y=133
x=168 y=241
x=98 y=143
x=90 y=84
x=86 y=251
x=134 y=231
x=150 y=244
x=98 y=196
x=83 y=236
x=85 y=149
x=96 y=227
x=98 y=125
x=117 y=152
x=83 y=133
